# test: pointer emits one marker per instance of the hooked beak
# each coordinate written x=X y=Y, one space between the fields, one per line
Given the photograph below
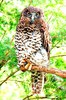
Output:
x=32 y=19
x=31 y=22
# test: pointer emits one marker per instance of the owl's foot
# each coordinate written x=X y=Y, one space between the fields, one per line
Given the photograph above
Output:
x=28 y=66
x=23 y=64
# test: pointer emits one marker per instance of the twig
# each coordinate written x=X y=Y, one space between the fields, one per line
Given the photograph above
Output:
x=8 y=77
x=2 y=36
x=57 y=56
x=49 y=18
x=47 y=70
x=3 y=62
x=1 y=2
x=27 y=97
x=30 y=2
x=16 y=80
x=39 y=98
x=45 y=98
x=12 y=40
x=54 y=45
x=10 y=44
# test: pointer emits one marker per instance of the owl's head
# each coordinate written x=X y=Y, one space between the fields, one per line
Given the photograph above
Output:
x=32 y=13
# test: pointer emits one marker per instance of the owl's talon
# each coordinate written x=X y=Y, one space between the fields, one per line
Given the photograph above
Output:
x=30 y=67
x=27 y=66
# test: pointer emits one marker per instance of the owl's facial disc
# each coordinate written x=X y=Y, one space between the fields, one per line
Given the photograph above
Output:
x=34 y=16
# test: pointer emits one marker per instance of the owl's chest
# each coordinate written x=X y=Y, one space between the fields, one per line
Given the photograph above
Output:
x=31 y=42
x=32 y=39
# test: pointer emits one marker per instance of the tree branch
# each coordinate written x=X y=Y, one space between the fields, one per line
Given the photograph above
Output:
x=27 y=97
x=1 y=2
x=38 y=98
x=57 y=56
x=54 y=71
x=30 y=2
x=3 y=62
x=8 y=77
x=47 y=70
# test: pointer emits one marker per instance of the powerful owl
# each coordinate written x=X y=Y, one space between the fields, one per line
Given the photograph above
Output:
x=32 y=43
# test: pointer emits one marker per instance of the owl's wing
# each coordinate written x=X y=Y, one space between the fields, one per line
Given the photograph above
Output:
x=46 y=38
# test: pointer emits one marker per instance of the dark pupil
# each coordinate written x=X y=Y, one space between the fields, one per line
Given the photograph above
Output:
x=29 y=15
x=37 y=15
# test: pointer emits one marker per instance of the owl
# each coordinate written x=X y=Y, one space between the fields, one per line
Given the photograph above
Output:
x=32 y=43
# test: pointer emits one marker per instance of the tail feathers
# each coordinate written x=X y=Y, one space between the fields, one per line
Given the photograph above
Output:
x=37 y=81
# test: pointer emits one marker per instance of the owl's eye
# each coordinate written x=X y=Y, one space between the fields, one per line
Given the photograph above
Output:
x=27 y=14
x=37 y=15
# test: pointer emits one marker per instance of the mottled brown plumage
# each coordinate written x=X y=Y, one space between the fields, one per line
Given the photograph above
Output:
x=32 y=43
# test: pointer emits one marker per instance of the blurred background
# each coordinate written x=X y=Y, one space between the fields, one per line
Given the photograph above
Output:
x=14 y=84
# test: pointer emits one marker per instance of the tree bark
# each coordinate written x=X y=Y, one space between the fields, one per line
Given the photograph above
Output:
x=55 y=71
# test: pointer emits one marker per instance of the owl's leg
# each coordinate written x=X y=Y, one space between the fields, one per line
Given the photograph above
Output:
x=26 y=67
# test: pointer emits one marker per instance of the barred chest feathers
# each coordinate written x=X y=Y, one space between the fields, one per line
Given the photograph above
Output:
x=31 y=46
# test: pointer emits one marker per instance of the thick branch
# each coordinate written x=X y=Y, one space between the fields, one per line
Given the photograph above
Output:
x=42 y=69
x=47 y=70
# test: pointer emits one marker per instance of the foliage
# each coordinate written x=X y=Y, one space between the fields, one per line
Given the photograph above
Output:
x=18 y=85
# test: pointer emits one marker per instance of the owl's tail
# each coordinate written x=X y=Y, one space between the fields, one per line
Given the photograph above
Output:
x=37 y=81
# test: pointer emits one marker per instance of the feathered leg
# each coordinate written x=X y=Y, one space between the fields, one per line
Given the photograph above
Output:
x=37 y=82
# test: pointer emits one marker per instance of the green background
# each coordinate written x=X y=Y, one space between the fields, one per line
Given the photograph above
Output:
x=18 y=86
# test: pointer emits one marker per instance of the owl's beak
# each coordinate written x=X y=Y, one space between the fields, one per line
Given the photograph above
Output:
x=32 y=18
x=31 y=21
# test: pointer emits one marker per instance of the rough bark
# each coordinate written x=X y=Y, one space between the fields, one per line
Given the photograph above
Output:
x=55 y=71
